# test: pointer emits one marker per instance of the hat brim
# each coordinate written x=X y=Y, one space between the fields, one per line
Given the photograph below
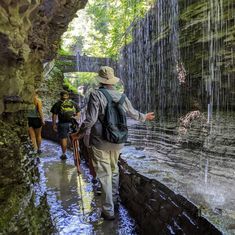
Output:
x=111 y=81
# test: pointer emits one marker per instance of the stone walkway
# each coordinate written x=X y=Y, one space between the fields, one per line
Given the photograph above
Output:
x=74 y=207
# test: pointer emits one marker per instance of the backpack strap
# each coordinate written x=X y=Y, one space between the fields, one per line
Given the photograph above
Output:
x=122 y=99
x=109 y=97
x=106 y=94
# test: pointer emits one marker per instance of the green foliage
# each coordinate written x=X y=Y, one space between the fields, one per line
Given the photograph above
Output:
x=100 y=30
x=111 y=21
x=86 y=79
x=69 y=87
x=119 y=87
x=105 y=26
x=79 y=79
x=62 y=52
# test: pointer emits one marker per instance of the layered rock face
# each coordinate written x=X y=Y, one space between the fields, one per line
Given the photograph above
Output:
x=30 y=32
x=182 y=53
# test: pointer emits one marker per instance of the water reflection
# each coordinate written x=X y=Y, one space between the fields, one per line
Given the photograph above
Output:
x=74 y=208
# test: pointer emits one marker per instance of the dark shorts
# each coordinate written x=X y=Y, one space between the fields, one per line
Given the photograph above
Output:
x=63 y=130
x=34 y=122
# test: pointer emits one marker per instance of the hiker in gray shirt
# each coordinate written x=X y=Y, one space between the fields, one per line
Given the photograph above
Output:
x=106 y=153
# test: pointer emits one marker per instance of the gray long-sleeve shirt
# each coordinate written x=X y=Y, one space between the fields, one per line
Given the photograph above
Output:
x=95 y=112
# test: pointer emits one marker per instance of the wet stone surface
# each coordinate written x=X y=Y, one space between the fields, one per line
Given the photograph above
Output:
x=198 y=165
x=74 y=207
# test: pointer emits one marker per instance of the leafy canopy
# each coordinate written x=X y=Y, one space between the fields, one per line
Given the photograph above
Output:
x=104 y=27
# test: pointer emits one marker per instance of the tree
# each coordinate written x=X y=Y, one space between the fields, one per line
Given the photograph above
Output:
x=104 y=27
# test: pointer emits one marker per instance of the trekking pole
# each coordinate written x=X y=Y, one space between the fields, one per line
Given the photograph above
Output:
x=80 y=187
x=77 y=161
x=76 y=155
x=74 y=138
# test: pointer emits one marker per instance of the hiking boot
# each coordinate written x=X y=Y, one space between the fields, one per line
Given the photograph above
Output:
x=63 y=157
x=107 y=217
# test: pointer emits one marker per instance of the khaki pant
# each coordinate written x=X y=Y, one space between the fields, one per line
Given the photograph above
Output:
x=106 y=167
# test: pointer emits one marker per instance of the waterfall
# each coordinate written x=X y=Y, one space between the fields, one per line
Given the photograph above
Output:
x=215 y=14
x=181 y=54
x=180 y=63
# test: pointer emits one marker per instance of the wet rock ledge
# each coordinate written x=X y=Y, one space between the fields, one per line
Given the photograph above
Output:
x=156 y=208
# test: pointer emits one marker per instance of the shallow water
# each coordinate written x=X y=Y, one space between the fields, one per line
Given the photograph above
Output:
x=74 y=207
x=199 y=165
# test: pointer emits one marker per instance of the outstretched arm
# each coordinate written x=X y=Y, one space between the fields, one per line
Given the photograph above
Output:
x=135 y=114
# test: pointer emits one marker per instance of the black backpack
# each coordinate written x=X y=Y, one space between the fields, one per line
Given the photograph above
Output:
x=67 y=110
x=114 y=124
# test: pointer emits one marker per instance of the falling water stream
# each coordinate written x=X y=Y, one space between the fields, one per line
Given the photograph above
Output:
x=180 y=65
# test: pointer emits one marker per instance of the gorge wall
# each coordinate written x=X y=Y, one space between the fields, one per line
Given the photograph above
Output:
x=181 y=56
x=30 y=33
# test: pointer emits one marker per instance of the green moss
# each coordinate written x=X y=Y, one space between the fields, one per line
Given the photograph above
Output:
x=22 y=216
x=19 y=214
x=10 y=206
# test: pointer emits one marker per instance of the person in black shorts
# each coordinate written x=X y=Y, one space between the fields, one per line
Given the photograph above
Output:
x=65 y=109
x=35 y=122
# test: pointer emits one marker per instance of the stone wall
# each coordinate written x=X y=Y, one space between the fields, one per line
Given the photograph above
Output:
x=50 y=88
x=157 y=209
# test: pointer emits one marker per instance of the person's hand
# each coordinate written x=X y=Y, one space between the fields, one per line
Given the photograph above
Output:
x=73 y=136
x=76 y=136
x=150 y=116
x=54 y=127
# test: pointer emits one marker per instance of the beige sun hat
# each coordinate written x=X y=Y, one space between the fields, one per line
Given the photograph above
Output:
x=106 y=76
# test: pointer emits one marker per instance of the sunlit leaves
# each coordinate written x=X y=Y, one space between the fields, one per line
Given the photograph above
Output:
x=105 y=26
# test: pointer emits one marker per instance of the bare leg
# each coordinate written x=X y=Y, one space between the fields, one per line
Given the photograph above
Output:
x=33 y=137
x=63 y=143
x=38 y=132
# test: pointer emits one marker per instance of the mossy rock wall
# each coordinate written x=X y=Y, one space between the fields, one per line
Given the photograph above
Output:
x=20 y=214
x=193 y=37
x=30 y=33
